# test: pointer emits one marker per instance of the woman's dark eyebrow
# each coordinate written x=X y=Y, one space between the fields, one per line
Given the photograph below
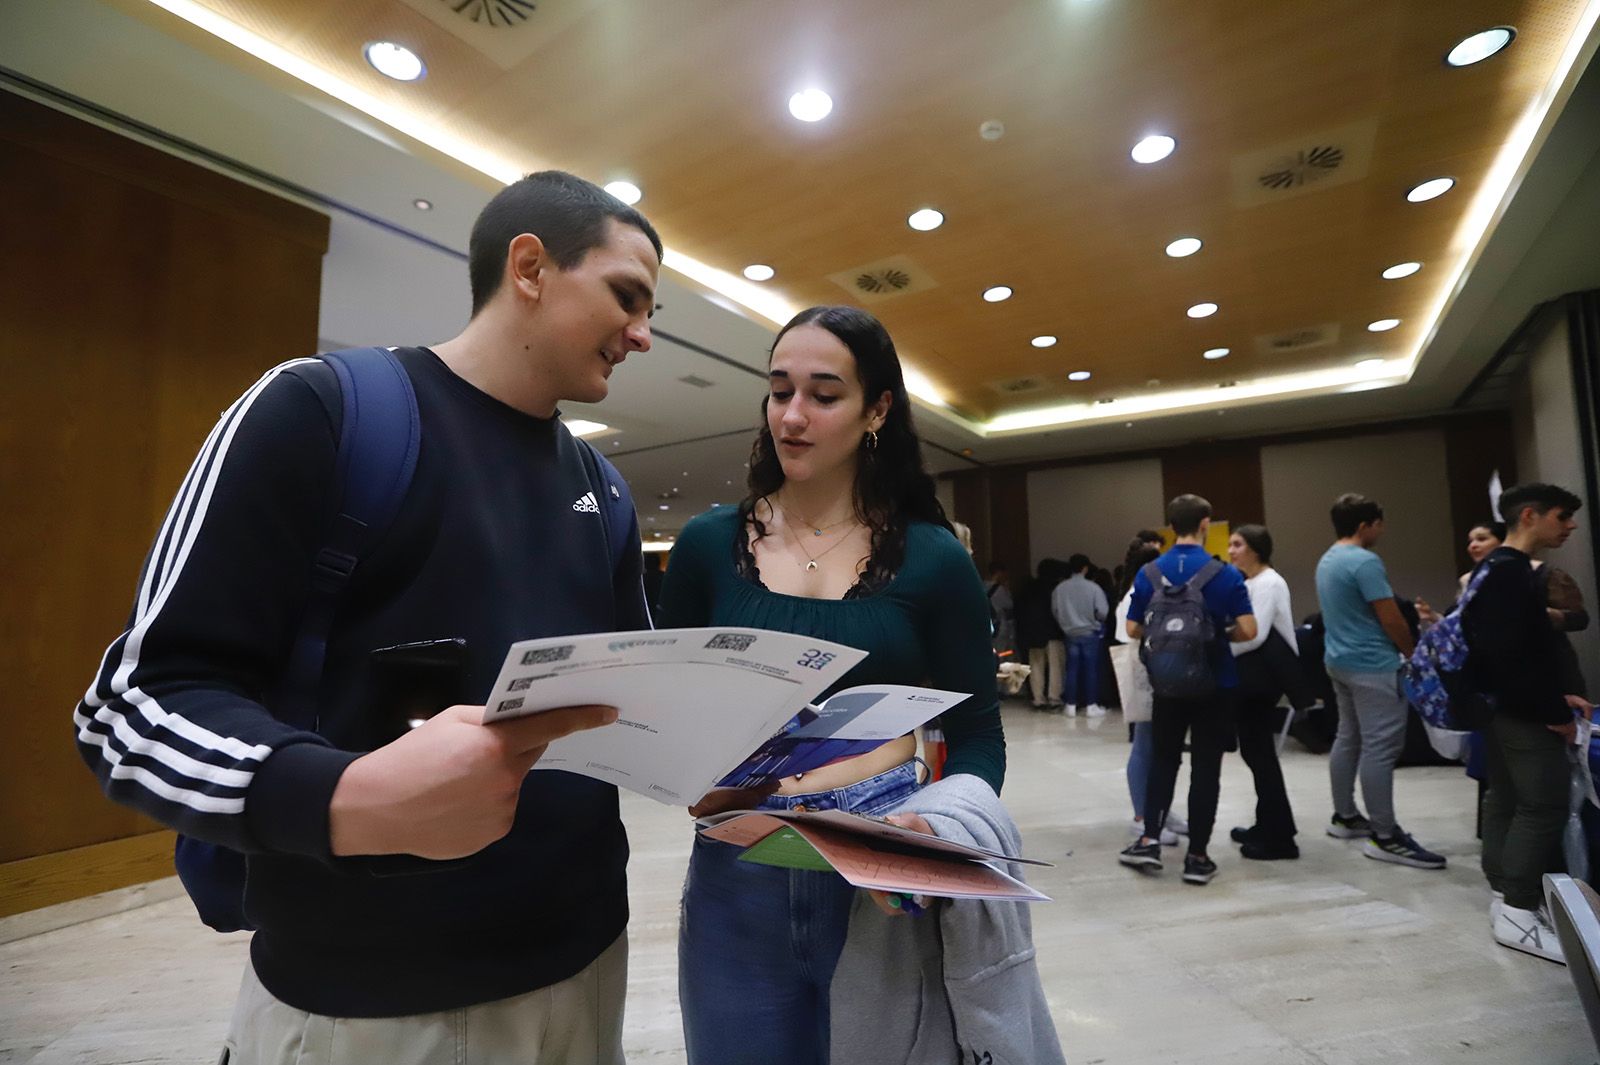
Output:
x=815 y=377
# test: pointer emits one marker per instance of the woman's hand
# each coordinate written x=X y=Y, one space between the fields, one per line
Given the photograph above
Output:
x=916 y=823
x=721 y=800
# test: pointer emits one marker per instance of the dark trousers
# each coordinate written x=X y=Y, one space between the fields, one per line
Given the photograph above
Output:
x=1258 y=745
x=1525 y=808
x=1206 y=722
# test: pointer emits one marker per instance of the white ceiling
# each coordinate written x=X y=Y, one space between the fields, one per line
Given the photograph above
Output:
x=394 y=274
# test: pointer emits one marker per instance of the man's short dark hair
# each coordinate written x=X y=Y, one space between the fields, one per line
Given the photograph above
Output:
x=1077 y=563
x=1543 y=498
x=1351 y=511
x=568 y=214
x=1186 y=512
x=1147 y=536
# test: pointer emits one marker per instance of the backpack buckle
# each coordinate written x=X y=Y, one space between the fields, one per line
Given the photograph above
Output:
x=333 y=567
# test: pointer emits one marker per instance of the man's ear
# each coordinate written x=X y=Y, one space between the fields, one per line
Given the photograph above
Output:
x=527 y=266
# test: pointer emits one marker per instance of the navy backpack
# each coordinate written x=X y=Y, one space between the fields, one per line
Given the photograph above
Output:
x=379 y=437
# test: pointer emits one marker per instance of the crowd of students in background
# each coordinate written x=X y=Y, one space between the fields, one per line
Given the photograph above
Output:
x=1522 y=690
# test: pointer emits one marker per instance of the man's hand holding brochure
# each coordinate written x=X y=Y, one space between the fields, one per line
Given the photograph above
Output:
x=700 y=708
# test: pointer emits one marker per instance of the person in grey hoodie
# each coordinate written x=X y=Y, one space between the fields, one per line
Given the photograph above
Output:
x=963 y=977
x=1080 y=608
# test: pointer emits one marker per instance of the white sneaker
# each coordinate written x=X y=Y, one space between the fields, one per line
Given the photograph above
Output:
x=1528 y=931
x=1092 y=710
x=1177 y=824
x=1497 y=902
x=1169 y=838
x=1069 y=710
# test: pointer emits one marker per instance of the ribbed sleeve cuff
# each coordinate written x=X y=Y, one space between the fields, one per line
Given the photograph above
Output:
x=287 y=804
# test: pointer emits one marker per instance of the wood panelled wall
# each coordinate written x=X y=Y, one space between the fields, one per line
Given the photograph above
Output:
x=993 y=500
x=139 y=295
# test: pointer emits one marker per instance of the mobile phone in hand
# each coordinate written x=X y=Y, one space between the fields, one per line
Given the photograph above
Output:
x=409 y=683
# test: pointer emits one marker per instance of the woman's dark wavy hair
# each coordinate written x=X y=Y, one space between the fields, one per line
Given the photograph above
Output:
x=892 y=488
x=1140 y=553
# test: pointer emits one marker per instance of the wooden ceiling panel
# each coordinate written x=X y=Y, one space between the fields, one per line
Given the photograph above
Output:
x=688 y=101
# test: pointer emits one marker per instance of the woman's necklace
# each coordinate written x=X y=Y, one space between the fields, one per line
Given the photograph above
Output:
x=811 y=560
x=816 y=530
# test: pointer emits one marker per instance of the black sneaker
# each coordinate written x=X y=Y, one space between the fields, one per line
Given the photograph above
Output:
x=1261 y=850
x=1241 y=834
x=1198 y=869
x=1349 y=827
x=1401 y=849
x=1142 y=856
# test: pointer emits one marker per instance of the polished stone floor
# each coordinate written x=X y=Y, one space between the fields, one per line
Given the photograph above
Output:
x=1331 y=959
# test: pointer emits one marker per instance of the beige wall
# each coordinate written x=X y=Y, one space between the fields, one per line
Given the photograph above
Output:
x=1405 y=471
x=1545 y=425
x=1093 y=509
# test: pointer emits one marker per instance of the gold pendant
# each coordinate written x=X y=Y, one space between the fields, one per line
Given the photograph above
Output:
x=811 y=566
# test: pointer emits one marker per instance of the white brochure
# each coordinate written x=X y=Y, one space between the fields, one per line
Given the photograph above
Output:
x=701 y=705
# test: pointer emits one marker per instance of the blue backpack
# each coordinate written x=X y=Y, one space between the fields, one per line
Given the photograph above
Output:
x=379 y=438
x=1436 y=683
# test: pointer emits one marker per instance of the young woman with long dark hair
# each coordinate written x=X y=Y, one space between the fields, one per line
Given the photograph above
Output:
x=840 y=537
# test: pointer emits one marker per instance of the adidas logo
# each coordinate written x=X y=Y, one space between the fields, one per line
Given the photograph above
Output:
x=586 y=504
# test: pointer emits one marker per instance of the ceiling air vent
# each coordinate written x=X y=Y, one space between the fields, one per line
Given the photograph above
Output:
x=697 y=382
x=883 y=280
x=1017 y=385
x=505 y=32
x=1305 y=338
x=1306 y=164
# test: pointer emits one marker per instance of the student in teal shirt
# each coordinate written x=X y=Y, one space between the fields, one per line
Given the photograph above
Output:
x=841 y=537
x=1365 y=639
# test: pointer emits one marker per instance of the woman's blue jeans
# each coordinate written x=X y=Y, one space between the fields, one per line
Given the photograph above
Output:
x=1139 y=764
x=757 y=944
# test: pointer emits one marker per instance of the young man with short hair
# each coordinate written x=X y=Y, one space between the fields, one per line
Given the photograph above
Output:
x=1207 y=717
x=1514 y=660
x=1366 y=638
x=510 y=944
x=1080 y=608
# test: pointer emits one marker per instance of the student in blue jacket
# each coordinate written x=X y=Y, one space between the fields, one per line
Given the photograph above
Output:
x=511 y=947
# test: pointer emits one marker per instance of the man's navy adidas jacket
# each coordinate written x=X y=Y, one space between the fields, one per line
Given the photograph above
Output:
x=495 y=542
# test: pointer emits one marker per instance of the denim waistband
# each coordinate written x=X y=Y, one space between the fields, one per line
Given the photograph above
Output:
x=887 y=787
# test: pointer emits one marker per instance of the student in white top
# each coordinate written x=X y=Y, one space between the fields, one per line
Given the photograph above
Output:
x=1262 y=661
x=1133 y=686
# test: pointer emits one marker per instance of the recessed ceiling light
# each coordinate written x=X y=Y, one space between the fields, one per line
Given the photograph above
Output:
x=1215 y=353
x=1369 y=364
x=1431 y=189
x=1183 y=247
x=1480 y=46
x=1399 y=270
x=925 y=219
x=395 y=61
x=665 y=506
x=810 y=105
x=996 y=294
x=1153 y=148
x=626 y=191
x=1202 y=310
x=1079 y=375
x=1382 y=325
x=759 y=272
x=992 y=130
x=422 y=205
x=1043 y=342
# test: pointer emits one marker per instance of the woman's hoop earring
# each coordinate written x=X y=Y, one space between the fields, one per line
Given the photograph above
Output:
x=872 y=440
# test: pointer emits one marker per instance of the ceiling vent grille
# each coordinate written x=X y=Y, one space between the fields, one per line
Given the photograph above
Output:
x=1306 y=164
x=883 y=280
x=1305 y=338
x=1016 y=386
x=697 y=382
x=507 y=33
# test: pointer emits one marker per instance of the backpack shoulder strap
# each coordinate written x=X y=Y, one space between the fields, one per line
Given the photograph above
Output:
x=1153 y=574
x=1203 y=575
x=380 y=434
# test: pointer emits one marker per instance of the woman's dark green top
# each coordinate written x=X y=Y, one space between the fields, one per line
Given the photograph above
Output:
x=928 y=626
